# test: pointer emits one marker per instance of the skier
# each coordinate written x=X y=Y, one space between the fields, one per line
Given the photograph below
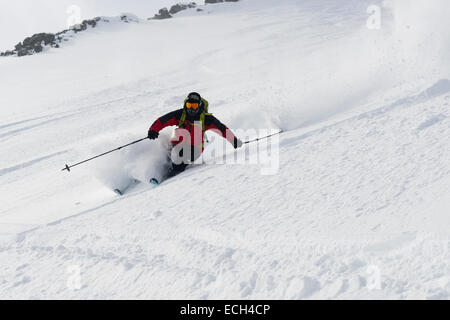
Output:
x=192 y=118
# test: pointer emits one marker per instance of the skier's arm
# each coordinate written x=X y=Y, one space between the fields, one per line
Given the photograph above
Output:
x=212 y=123
x=170 y=119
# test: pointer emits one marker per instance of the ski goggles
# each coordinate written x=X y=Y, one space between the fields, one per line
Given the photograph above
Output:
x=190 y=105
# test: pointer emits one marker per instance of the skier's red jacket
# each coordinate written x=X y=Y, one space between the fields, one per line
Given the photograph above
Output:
x=211 y=123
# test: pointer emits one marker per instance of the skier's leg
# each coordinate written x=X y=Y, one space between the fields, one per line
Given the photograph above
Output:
x=176 y=169
x=178 y=164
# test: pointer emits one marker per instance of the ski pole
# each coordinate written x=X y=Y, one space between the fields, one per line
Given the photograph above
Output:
x=257 y=139
x=100 y=155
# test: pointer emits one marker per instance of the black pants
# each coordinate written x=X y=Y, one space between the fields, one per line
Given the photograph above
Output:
x=178 y=168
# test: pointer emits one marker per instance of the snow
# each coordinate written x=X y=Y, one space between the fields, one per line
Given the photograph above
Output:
x=359 y=205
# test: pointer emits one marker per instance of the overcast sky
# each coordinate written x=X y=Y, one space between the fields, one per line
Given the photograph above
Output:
x=23 y=18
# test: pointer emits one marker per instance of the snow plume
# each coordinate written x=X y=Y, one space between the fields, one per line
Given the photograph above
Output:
x=421 y=30
x=409 y=50
x=142 y=161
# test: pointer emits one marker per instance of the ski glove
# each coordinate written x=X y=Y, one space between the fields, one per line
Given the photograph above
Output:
x=237 y=143
x=152 y=134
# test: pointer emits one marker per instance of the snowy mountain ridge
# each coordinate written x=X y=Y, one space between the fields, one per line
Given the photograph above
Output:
x=43 y=41
x=40 y=42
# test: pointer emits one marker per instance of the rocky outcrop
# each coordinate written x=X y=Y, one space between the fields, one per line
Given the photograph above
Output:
x=37 y=42
x=165 y=13
x=83 y=25
x=218 y=1
x=181 y=6
x=127 y=18
x=34 y=44
x=162 y=14
x=7 y=53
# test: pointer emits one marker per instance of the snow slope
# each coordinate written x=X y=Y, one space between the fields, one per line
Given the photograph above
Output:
x=359 y=207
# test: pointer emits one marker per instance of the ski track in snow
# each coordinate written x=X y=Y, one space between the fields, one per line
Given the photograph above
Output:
x=29 y=163
x=358 y=209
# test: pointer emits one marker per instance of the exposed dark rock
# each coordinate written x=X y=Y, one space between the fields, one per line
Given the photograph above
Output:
x=181 y=6
x=162 y=14
x=84 y=25
x=127 y=18
x=46 y=38
x=166 y=14
x=37 y=42
x=33 y=44
x=37 y=48
x=23 y=52
x=218 y=1
x=7 y=53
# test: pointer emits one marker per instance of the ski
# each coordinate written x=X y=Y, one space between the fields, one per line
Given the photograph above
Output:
x=154 y=181
x=118 y=192
x=122 y=191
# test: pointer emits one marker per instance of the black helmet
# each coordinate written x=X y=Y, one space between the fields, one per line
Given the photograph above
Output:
x=193 y=104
